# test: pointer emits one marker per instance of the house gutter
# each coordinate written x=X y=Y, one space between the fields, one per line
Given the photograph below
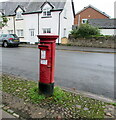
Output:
x=59 y=27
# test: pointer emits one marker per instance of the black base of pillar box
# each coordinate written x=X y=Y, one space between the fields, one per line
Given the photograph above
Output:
x=46 y=89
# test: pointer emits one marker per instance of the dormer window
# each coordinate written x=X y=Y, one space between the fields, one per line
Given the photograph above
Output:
x=46 y=9
x=46 y=12
x=19 y=10
x=19 y=15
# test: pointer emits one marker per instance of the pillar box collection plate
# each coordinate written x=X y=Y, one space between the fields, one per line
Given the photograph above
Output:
x=47 y=48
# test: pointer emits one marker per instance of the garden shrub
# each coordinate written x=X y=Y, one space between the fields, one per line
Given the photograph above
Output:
x=85 y=30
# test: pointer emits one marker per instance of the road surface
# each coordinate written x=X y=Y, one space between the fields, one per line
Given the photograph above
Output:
x=89 y=72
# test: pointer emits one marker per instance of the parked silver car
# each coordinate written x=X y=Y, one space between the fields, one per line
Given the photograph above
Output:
x=9 y=39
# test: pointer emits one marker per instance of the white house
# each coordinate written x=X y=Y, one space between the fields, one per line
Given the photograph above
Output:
x=28 y=19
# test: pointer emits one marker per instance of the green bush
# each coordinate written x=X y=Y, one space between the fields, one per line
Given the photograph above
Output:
x=85 y=30
x=4 y=22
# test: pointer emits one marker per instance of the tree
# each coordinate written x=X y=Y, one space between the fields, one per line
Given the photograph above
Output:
x=85 y=30
x=3 y=21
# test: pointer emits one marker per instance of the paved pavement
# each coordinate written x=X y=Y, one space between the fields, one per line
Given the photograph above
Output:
x=76 y=48
x=7 y=115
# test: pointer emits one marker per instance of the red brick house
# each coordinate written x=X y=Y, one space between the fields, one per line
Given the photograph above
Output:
x=89 y=12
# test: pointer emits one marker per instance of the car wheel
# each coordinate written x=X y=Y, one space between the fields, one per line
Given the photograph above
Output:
x=5 y=44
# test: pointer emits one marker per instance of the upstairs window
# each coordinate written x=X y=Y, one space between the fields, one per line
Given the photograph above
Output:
x=46 y=12
x=84 y=21
x=65 y=13
x=19 y=15
x=46 y=30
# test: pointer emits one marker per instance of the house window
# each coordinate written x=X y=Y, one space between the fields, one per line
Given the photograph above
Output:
x=10 y=31
x=32 y=32
x=20 y=33
x=46 y=12
x=46 y=30
x=19 y=15
x=64 y=32
x=65 y=14
x=84 y=21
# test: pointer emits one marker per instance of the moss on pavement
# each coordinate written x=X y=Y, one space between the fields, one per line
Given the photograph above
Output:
x=75 y=106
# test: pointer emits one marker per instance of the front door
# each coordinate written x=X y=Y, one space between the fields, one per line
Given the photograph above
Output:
x=32 y=36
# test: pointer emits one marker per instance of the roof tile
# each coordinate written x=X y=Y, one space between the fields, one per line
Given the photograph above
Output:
x=30 y=5
x=103 y=23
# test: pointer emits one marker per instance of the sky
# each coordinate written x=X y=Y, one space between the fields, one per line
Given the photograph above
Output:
x=106 y=6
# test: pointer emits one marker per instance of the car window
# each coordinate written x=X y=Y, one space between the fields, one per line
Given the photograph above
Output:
x=13 y=36
x=4 y=35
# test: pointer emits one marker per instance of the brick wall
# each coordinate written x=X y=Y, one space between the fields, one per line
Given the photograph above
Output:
x=89 y=13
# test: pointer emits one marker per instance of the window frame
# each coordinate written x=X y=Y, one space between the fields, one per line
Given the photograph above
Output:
x=19 y=15
x=64 y=32
x=20 y=32
x=47 y=30
x=46 y=12
x=84 y=20
x=32 y=32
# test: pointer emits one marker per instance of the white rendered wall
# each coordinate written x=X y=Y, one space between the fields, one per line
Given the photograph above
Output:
x=108 y=31
x=19 y=25
x=49 y=22
x=67 y=19
x=31 y=22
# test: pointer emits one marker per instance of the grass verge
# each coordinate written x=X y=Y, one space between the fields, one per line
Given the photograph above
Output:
x=78 y=105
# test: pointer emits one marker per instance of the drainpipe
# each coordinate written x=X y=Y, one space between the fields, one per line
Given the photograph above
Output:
x=59 y=28
x=14 y=25
x=78 y=20
x=38 y=23
x=38 y=27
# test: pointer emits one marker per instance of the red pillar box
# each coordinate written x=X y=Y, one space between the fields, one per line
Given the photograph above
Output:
x=47 y=48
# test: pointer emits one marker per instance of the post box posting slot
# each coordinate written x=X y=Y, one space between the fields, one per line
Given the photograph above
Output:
x=43 y=46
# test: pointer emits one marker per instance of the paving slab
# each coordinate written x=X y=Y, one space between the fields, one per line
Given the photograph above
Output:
x=6 y=115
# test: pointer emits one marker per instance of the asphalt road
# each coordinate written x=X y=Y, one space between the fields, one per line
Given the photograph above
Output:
x=89 y=72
